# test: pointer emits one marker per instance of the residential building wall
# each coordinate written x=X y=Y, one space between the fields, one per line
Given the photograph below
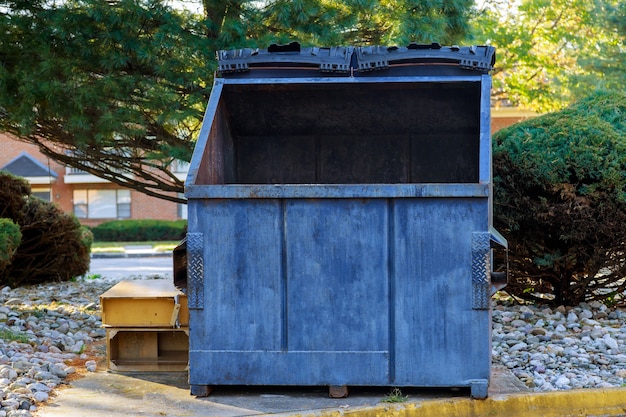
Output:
x=504 y=117
x=11 y=148
x=142 y=206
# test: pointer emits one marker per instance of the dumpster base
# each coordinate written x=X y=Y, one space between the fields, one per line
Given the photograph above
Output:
x=478 y=390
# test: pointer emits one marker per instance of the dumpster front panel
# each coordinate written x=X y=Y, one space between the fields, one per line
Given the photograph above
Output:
x=242 y=282
x=332 y=246
x=339 y=291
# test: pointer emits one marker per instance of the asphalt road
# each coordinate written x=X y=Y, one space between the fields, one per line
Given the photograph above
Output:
x=119 y=268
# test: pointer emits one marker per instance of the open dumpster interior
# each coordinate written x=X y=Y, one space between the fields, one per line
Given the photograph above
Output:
x=349 y=133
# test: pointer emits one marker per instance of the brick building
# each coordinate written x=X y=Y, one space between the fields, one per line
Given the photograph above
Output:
x=506 y=116
x=92 y=199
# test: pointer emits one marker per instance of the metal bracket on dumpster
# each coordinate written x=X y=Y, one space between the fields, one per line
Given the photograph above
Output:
x=195 y=271
x=278 y=57
x=500 y=279
x=479 y=58
x=484 y=281
x=481 y=295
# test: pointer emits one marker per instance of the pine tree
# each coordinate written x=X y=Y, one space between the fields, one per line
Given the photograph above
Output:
x=118 y=88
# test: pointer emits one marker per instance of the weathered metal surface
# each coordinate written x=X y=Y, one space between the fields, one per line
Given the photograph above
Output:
x=338 y=226
x=338 y=191
x=339 y=291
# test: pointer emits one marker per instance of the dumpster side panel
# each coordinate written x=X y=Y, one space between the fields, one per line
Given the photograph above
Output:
x=441 y=340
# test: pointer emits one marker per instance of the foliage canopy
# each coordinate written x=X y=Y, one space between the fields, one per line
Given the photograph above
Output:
x=118 y=88
x=114 y=88
x=553 y=52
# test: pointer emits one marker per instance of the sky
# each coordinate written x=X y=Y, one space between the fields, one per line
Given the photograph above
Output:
x=191 y=5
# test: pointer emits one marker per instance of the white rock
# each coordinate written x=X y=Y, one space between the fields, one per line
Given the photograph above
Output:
x=518 y=346
x=611 y=343
x=91 y=366
x=572 y=317
x=562 y=381
x=40 y=396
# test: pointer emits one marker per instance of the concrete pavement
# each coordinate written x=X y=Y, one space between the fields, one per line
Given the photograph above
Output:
x=149 y=394
x=107 y=394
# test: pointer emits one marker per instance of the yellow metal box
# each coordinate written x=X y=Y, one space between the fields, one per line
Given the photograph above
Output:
x=144 y=303
x=147 y=349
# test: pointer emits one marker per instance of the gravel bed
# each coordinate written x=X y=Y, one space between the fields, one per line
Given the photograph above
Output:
x=46 y=332
x=45 y=336
x=562 y=348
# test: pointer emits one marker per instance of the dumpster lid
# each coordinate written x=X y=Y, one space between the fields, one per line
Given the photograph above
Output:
x=292 y=56
x=479 y=58
x=353 y=61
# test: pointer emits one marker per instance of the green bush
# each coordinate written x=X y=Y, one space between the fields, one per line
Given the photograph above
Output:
x=140 y=230
x=560 y=200
x=10 y=238
x=13 y=194
x=53 y=247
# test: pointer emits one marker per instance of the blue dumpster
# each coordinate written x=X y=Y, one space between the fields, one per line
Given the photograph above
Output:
x=339 y=220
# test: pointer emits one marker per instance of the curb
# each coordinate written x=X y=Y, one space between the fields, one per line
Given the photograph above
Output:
x=603 y=402
x=111 y=255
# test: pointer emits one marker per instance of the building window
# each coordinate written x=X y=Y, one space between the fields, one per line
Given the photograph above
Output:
x=102 y=204
x=182 y=208
x=43 y=193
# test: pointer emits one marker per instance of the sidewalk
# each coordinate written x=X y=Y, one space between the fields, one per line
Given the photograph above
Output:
x=105 y=394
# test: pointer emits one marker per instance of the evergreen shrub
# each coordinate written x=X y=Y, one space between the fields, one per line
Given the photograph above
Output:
x=54 y=246
x=140 y=230
x=560 y=200
x=10 y=238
